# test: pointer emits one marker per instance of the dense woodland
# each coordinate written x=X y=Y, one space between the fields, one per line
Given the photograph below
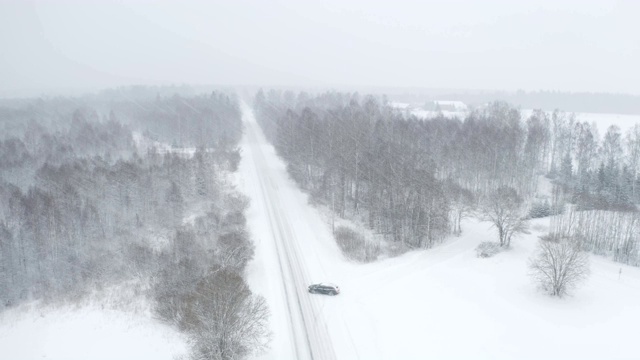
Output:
x=91 y=196
x=412 y=180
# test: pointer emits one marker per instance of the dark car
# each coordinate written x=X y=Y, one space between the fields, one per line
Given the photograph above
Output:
x=324 y=288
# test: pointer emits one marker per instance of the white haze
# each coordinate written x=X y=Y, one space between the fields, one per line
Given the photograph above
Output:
x=567 y=45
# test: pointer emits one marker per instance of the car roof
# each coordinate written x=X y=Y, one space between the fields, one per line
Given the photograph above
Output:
x=328 y=284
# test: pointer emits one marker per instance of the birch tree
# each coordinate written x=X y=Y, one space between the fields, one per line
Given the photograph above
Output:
x=632 y=147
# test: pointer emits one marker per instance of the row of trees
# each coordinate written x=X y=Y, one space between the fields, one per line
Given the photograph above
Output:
x=85 y=206
x=597 y=174
x=610 y=233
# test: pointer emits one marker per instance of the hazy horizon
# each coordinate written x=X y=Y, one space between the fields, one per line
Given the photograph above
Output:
x=572 y=46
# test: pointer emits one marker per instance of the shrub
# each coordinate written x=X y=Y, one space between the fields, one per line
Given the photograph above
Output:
x=487 y=249
x=540 y=210
x=355 y=246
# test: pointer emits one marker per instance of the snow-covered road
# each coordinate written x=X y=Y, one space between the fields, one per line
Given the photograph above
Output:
x=293 y=248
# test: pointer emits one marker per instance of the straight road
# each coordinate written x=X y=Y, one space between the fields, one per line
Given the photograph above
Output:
x=283 y=244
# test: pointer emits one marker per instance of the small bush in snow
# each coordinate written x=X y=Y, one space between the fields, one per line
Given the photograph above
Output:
x=355 y=246
x=540 y=210
x=487 y=249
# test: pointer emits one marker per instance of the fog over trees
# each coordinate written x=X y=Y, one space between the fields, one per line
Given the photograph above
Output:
x=412 y=180
x=92 y=195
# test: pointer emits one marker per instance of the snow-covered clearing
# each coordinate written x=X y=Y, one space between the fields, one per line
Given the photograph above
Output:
x=602 y=121
x=438 y=303
x=87 y=332
x=447 y=303
x=144 y=144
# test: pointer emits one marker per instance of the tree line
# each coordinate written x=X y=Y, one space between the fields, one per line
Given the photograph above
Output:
x=602 y=232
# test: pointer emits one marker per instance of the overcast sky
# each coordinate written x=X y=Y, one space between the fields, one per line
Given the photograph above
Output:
x=568 y=45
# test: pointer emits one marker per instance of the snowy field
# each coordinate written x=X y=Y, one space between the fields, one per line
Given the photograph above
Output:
x=602 y=121
x=447 y=303
x=144 y=144
x=88 y=332
x=443 y=303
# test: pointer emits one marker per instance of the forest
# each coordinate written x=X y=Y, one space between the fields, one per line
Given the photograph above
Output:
x=413 y=180
x=130 y=186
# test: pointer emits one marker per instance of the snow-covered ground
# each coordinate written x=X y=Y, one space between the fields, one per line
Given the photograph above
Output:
x=438 y=303
x=418 y=111
x=144 y=144
x=88 y=332
x=602 y=121
x=447 y=303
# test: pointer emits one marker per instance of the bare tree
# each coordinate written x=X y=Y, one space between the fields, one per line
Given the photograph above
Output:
x=559 y=266
x=504 y=209
x=225 y=319
x=463 y=202
x=632 y=142
x=606 y=233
